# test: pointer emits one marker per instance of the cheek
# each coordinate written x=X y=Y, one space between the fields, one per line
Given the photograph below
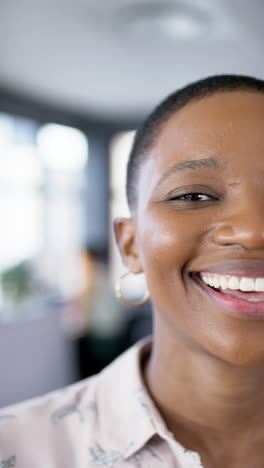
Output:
x=167 y=243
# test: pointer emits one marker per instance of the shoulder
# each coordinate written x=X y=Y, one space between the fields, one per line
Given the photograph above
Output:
x=78 y=425
x=39 y=406
x=29 y=429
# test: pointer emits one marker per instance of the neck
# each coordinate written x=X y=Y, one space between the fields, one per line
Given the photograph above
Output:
x=199 y=394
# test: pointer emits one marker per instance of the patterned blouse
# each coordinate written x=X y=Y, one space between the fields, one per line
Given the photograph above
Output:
x=108 y=420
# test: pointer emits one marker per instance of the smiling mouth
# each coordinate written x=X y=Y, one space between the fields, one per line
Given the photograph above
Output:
x=239 y=296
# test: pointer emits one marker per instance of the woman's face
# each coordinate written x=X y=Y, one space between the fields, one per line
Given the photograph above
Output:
x=172 y=239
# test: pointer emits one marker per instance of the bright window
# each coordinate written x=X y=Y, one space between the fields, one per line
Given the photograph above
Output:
x=42 y=212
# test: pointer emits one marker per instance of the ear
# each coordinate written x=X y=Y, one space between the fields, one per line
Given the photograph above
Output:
x=126 y=239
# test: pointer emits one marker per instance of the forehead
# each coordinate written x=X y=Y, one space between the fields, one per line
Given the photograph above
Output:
x=222 y=119
x=223 y=123
x=229 y=125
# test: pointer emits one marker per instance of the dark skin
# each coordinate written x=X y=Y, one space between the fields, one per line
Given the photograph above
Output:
x=206 y=369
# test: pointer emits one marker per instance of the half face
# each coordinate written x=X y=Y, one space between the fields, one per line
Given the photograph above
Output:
x=199 y=229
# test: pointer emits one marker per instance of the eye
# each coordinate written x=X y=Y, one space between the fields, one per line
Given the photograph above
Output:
x=194 y=197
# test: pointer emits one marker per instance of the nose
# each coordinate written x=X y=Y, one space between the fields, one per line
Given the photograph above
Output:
x=243 y=226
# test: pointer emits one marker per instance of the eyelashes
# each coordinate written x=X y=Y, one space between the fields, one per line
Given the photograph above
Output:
x=193 y=197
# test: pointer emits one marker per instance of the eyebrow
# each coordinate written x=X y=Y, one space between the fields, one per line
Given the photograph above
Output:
x=193 y=164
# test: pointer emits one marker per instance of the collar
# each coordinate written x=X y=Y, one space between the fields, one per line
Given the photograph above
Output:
x=127 y=414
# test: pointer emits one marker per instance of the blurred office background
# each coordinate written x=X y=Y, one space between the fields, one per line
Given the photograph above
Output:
x=76 y=79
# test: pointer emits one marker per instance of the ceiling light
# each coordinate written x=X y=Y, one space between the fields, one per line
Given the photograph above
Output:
x=174 y=20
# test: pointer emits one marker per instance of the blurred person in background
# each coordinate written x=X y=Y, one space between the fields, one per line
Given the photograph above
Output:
x=94 y=316
x=193 y=394
x=101 y=327
x=102 y=336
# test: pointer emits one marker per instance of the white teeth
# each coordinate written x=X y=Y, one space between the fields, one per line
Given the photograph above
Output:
x=223 y=282
x=211 y=281
x=259 y=284
x=247 y=284
x=234 y=282
x=205 y=279
x=216 y=282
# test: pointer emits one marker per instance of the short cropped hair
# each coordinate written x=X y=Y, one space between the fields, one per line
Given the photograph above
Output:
x=148 y=132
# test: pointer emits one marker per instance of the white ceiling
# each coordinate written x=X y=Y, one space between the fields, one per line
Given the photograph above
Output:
x=87 y=55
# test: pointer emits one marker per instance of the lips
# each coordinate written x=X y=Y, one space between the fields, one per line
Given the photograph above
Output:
x=243 y=295
x=233 y=304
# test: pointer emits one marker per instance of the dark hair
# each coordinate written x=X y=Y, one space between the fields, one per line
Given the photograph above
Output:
x=149 y=130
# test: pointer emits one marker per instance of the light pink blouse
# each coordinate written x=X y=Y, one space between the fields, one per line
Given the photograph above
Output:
x=108 y=420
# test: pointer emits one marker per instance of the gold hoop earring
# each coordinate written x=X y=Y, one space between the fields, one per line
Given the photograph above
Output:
x=120 y=296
